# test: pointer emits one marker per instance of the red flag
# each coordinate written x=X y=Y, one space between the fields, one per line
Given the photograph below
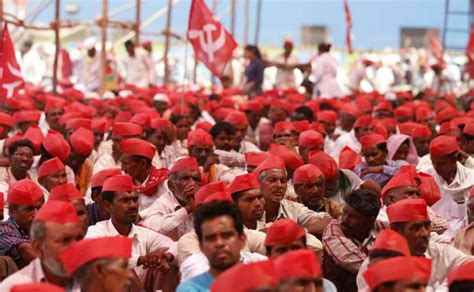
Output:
x=436 y=47
x=10 y=74
x=212 y=44
x=348 y=27
x=470 y=45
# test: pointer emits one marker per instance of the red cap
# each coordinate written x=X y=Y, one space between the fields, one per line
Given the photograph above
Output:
x=283 y=126
x=461 y=273
x=272 y=162
x=429 y=189
x=388 y=239
x=75 y=124
x=389 y=122
x=35 y=136
x=421 y=131
x=423 y=113
x=206 y=190
x=82 y=141
x=310 y=138
x=296 y=264
x=291 y=158
x=325 y=163
x=119 y=183
x=443 y=145
x=53 y=104
x=206 y=126
x=6 y=120
x=351 y=109
x=141 y=119
x=283 y=232
x=445 y=115
x=160 y=123
x=255 y=158
x=50 y=166
x=254 y=105
x=383 y=105
x=56 y=145
x=397 y=269
x=469 y=129
x=407 y=128
x=371 y=140
x=318 y=127
x=125 y=129
x=186 y=163
x=98 y=179
x=403 y=112
x=58 y=212
x=24 y=193
x=244 y=182
x=407 y=210
x=306 y=174
x=138 y=147
x=37 y=287
x=65 y=192
x=237 y=118
x=26 y=116
x=327 y=116
x=100 y=125
x=218 y=196
x=199 y=137
x=348 y=158
x=301 y=126
x=363 y=121
x=256 y=275
x=401 y=179
x=87 y=250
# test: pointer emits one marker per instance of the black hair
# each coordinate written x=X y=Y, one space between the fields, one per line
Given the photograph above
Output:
x=236 y=196
x=214 y=209
x=383 y=146
x=383 y=253
x=255 y=50
x=365 y=202
x=269 y=248
x=45 y=155
x=461 y=286
x=324 y=47
x=214 y=96
x=176 y=118
x=137 y=158
x=20 y=143
x=222 y=127
x=128 y=43
x=306 y=111
x=467 y=137
x=108 y=196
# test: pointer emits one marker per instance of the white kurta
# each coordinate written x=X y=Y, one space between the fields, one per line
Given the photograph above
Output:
x=285 y=78
x=324 y=76
x=349 y=140
x=137 y=70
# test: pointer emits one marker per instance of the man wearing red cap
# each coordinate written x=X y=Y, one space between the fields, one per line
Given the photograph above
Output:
x=308 y=141
x=309 y=183
x=454 y=180
x=358 y=73
x=69 y=193
x=240 y=122
x=82 y=144
x=21 y=159
x=171 y=214
x=54 y=145
x=136 y=66
x=421 y=138
x=161 y=136
x=347 y=240
x=363 y=126
x=285 y=76
x=461 y=279
x=24 y=198
x=223 y=134
x=55 y=227
x=51 y=173
x=122 y=203
x=97 y=211
x=409 y=217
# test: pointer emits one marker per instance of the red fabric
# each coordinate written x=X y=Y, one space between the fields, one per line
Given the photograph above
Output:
x=301 y=263
x=325 y=163
x=244 y=182
x=306 y=174
x=292 y=159
x=443 y=145
x=204 y=125
x=351 y=109
x=24 y=193
x=65 y=192
x=469 y=129
x=156 y=177
x=35 y=135
x=237 y=118
x=446 y=115
x=403 y=112
x=124 y=129
x=119 y=183
x=255 y=158
x=371 y=140
x=26 y=116
x=283 y=126
x=87 y=250
x=301 y=126
x=141 y=119
x=397 y=269
x=347 y=13
x=212 y=44
x=401 y=179
x=218 y=196
x=272 y=162
x=327 y=116
x=429 y=189
x=199 y=137
x=50 y=166
x=37 y=287
x=348 y=158
x=363 y=121
x=56 y=145
x=159 y=123
x=206 y=190
x=461 y=273
x=82 y=141
x=6 y=120
x=100 y=125
x=436 y=48
x=97 y=180
x=310 y=138
x=138 y=147
x=423 y=113
x=470 y=46
x=408 y=210
x=187 y=163
x=57 y=211
x=421 y=131
x=11 y=79
x=388 y=239
x=283 y=232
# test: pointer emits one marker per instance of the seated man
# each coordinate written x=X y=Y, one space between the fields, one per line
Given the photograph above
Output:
x=223 y=135
x=309 y=184
x=96 y=210
x=55 y=227
x=347 y=240
x=82 y=144
x=376 y=167
x=239 y=121
x=136 y=156
x=409 y=217
x=171 y=214
x=308 y=141
x=89 y=262
x=122 y=203
x=51 y=173
x=24 y=200
x=272 y=176
x=461 y=278
x=213 y=220
x=454 y=180
x=422 y=136
x=20 y=154
x=284 y=133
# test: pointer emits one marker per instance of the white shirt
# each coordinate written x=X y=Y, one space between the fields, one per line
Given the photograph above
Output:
x=357 y=73
x=137 y=70
x=424 y=163
x=246 y=146
x=33 y=68
x=323 y=75
x=297 y=212
x=349 y=140
x=285 y=78
x=198 y=264
x=32 y=273
x=145 y=202
x=105 y=161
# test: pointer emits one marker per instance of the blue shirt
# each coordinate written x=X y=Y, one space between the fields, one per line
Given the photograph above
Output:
x=201 y=283
x=390 y=168
x=254 y=72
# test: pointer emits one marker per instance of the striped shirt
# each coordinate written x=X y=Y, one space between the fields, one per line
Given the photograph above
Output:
x=11 y=236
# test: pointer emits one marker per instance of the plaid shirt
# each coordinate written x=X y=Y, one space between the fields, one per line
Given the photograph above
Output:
x=11 y=236
x=93 y=213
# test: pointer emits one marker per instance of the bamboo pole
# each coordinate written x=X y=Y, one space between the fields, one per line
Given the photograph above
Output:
x=246 y=21
x=167 y=41
x=257 y=28
x=103 y=51
x=138 y=21
x=232 y=18
x=58 y=44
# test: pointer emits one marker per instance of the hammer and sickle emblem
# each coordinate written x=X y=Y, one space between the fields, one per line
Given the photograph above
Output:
x=209 y=45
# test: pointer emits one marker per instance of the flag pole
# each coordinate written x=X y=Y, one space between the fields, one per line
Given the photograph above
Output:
x=246 y=22
x=57 y=43
x=137 y=22
x=103 y=51
x=167 y=41
x=259 y=14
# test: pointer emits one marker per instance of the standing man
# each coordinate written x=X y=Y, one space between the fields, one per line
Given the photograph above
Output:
x=88 y=74
x=285 y=77
x=137 y=69
x=324 y=73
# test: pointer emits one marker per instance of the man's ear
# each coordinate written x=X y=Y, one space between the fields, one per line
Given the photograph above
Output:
x=36 y=245
x=98 y=270
x=107 y=206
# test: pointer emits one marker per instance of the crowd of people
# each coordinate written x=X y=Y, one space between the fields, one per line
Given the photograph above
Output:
x=295 y=188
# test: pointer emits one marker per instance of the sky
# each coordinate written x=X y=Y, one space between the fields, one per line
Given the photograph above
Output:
x=376 y=23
